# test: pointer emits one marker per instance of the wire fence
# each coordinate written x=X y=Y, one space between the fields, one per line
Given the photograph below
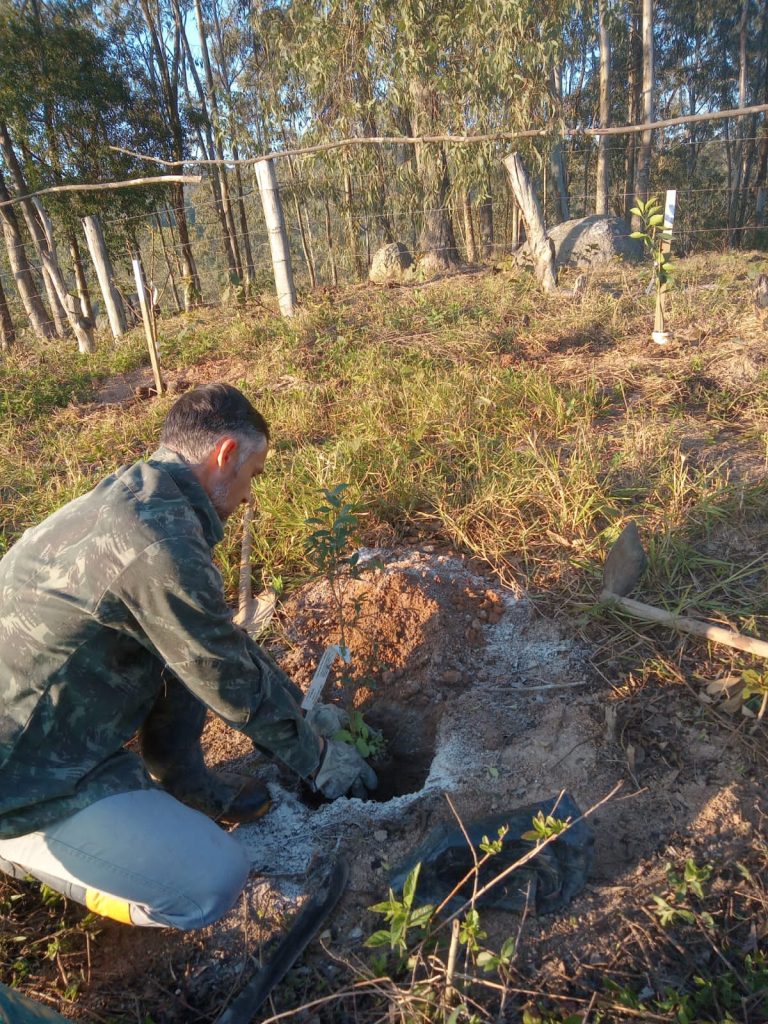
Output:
x=333 y=235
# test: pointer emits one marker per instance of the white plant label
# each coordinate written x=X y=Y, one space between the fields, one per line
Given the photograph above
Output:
x=330 y=654
x=670 y=205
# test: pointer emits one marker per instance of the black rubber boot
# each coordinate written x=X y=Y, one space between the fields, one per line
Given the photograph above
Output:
x=170 y=747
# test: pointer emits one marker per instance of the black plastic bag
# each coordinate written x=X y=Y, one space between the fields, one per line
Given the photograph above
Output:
x=547 y=883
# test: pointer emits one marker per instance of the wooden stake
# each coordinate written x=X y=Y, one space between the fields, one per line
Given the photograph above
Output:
x=148 y=323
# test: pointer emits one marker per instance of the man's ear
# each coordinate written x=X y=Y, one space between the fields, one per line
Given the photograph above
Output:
x=224 y=452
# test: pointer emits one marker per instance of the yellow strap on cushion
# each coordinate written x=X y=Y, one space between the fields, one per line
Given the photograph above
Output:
x=108 y=906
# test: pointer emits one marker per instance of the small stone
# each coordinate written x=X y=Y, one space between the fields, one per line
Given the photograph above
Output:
x=476 y=624
x=452 y=677
x=508 y=757
x=410 y=688
x=355 y=935
x=381 y=835
x=493 y=739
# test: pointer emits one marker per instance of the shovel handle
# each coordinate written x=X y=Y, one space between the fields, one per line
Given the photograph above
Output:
x=717 y=634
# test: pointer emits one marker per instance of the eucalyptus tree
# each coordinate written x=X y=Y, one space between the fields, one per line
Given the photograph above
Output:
x=469 y=67
x=153 y=41
x=64 y=103
x=603 y=169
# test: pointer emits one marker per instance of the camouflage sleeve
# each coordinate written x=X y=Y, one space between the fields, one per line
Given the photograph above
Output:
x=174 y=593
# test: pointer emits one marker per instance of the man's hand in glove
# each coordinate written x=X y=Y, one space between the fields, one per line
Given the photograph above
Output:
x=343 y=771
x=327 y=719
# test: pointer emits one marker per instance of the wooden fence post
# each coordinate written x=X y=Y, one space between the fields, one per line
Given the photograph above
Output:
x=266 y=179
x=105 y=275
x=149 y=322
x=539 y=241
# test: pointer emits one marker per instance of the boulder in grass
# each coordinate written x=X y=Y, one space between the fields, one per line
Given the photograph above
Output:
x=592 y=241
x=391 y=262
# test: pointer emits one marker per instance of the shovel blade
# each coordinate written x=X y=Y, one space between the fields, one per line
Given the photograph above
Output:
x=625 y=563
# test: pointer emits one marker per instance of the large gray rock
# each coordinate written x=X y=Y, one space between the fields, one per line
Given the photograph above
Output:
x=591 y=241
x=391 y=262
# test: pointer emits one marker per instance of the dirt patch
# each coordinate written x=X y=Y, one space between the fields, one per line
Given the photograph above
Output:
x=494 y=712
x=489 y=706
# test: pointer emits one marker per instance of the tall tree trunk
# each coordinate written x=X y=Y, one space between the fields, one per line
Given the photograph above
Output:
x=352 y=232
x=379 y=196
x=643 y=180
x=437 y=241
x=83 y=294
x=249 y=269
x=741 y=125
x=485 y=218
x=168 y=264
x=306 y=245
x=7 y=331
x=308 y=256
x=189 y=276
x=170 y=92
x=213 y=105
x=762 y=144
x=602 y=182
x=329 y=243
x=23 y=277
x=42 y=235
x=205 y=133
x=556 y=154
x=469 y=229
x=634 y=83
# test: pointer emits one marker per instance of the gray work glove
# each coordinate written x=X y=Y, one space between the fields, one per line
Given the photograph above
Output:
x=343 y=771
x=327 y=719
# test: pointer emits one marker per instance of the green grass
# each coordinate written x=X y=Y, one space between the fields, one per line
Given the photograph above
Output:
x=524 y=430
x=412 y=399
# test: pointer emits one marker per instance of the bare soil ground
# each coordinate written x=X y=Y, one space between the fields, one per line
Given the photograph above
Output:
x=484 y=701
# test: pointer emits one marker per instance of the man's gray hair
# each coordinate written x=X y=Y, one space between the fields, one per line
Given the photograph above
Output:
x=201 y=418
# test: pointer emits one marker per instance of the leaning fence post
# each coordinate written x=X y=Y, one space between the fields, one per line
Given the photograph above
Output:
x=149 y=324
x=105 y=275
x=266 y=179
x=539 y=241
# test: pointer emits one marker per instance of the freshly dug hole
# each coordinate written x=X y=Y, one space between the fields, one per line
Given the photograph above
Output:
x=410 y=750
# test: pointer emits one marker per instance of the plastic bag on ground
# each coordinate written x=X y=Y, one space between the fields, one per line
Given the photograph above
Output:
x=547 y=883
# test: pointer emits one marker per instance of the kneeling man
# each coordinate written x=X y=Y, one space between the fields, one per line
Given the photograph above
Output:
x=113 y=621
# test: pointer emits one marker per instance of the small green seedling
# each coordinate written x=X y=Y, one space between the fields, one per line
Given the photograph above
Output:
x=470 y=932
x=368 y=742
x=755 y=686
x=402 y=916
x=544 y=827
x=654 y=236
x=493 y=846
x=330 y=550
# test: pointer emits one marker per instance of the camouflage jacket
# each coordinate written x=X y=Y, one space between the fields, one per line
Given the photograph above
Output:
x=94 y=603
